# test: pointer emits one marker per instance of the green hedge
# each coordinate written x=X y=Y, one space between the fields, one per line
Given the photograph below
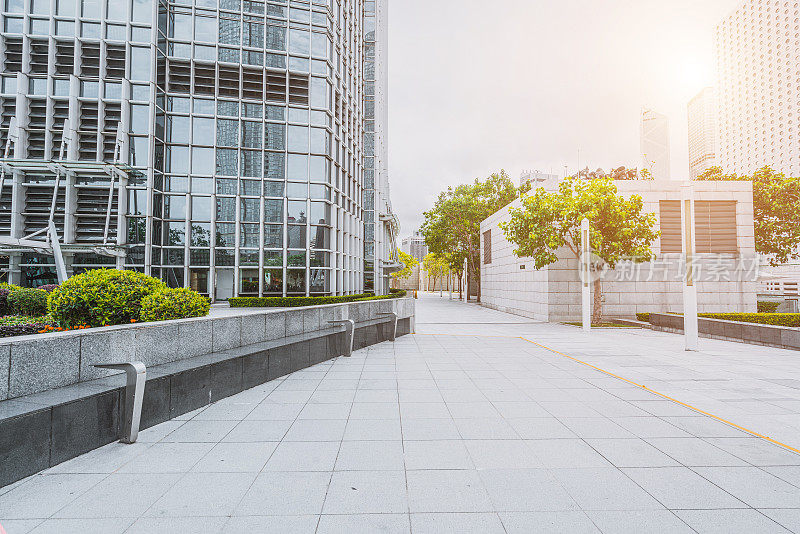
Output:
x=296 y=302
x=777 y=319
x=768 y=307
x=169 y=304
x=101 y=297
x=395 y=295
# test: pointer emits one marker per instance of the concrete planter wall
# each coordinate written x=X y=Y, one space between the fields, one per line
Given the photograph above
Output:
x=32 y=364
x=756 y=334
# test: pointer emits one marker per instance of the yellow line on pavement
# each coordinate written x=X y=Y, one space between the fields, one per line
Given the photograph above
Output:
x=667 y=397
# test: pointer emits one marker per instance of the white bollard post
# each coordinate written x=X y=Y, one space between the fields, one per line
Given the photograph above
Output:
x=585 y=267
x=690 y=326
x=466 y=282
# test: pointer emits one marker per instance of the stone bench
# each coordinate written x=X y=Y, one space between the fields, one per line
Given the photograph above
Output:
x=43 y=429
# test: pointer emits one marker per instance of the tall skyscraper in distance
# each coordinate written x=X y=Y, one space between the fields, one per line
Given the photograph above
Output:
x=758 y=91
x=702 y=115
x=415 y=245
x=237 y=148
x=655 y=144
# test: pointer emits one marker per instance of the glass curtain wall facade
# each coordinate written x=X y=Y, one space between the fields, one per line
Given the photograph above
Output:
x=244 y=130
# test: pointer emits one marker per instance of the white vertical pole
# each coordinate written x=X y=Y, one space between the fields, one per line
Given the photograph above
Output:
x=690 y=327
x=450 y=282
x=585 y=276
x=466 y=282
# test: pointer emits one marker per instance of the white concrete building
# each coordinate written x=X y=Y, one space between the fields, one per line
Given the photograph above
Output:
x=702 y=115
x=655 y=146
x=727 y=276
x=758 y=77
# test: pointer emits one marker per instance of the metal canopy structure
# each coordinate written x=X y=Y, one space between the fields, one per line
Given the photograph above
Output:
x=38 y=234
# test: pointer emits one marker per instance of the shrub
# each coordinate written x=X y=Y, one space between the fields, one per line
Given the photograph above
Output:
x=5 y=291
x=169 y=304
x=48 y=287
x=768 y=307
x=777 y=319
x=101 y=297
x=644 y=317
x=28 y=302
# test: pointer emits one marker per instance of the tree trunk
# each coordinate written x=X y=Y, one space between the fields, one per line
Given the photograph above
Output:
x=597 y=304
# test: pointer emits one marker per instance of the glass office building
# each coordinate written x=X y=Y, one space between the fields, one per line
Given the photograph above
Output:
x=236 y=147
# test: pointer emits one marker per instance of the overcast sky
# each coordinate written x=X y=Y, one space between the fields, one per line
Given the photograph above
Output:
x=479 y=86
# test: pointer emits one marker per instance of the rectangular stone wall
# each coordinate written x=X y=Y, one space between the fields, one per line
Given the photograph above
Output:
x=31 y=364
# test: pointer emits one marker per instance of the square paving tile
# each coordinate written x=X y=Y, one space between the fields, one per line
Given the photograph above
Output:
x=316 y=430
x=693 y=452
x=366 y=492
x=605 y=489
x=383 y=523
x=524 y=490
x=730 y=521
x=443 y=454
x=566 y=453
x=455 y=523
x=447 y=491
x=625 y=522
x=119 y=495
x=82 y=526
x=253 y=431
x=42 y=495
x=682 y=488
x=502 y=454
x=275 y=493
x=547 y=523
x=631 y=453
x=430 y=429
x=275 y=524
x=167 y=458
x=236 y=458
x=303 y=456
x=753 y=486
x=203 y=494
x=370 y=456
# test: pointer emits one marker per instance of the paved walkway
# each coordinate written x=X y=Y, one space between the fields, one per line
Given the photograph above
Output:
x=454 y=431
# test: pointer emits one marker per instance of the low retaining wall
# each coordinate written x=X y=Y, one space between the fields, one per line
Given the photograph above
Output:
x=31 y=364
x=43 y=429
x=756 y=334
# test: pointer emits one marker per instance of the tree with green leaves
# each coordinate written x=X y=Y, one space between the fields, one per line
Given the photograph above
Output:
x=550 y=221
x=452 y=226
x=409 y=262
x=436 y=266
x=776 y=211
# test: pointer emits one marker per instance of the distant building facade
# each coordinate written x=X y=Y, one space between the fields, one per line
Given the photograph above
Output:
x=655 y=146
x=702 y=115
x=415 y=246
x=757 y=57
